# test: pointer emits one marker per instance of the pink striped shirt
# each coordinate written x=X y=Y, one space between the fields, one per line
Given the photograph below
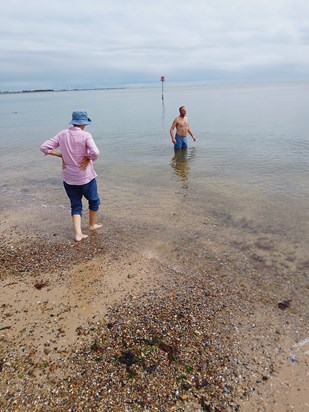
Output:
x=74 y=144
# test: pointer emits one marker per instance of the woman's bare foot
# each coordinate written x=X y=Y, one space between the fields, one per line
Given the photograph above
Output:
x=95 y=226
x=80 y=237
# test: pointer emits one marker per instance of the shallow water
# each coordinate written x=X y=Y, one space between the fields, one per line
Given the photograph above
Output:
x=233 y=207
x=245 y=178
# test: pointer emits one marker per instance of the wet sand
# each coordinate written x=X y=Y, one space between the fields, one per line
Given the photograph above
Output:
x=104 y=325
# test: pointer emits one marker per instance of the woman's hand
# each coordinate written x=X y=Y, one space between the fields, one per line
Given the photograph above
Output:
x=84 y=163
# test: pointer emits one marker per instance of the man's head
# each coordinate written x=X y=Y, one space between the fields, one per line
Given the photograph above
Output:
x=80 y=118
x=182 y=111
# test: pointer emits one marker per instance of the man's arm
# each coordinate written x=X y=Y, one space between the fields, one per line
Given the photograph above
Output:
x=174 y=124
x=191 y=134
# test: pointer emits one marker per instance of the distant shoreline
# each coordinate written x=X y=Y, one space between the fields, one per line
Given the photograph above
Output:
x=61 y=90
x=171 y=85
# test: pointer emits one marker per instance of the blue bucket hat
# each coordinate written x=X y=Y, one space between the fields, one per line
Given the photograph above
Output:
x=80 y=118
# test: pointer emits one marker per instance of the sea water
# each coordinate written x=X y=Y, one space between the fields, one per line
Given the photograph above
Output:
x=247 y=172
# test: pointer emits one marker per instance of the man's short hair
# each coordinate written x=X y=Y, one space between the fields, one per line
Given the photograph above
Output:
x=181 y=107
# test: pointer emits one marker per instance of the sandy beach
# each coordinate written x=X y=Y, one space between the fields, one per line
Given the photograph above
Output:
x=105 y=326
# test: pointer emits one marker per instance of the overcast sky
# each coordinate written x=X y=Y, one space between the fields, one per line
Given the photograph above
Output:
x=106 y=43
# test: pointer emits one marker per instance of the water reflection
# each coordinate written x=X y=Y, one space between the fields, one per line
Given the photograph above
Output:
x=181 y=165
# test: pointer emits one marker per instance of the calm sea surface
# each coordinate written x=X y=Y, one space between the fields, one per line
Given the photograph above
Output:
x=247 y=171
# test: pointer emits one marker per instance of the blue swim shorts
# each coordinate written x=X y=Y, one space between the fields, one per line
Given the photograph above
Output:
x=76 y=193
x=181 y=142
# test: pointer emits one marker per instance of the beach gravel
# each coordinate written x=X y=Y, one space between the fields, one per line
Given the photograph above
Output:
x=100 y=327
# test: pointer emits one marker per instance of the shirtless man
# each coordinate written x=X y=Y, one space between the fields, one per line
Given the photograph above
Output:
x=182 y=128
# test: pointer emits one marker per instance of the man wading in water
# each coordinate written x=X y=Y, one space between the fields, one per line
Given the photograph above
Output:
x=182 y=128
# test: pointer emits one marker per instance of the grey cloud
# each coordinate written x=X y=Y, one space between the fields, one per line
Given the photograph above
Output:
x=123 y=42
